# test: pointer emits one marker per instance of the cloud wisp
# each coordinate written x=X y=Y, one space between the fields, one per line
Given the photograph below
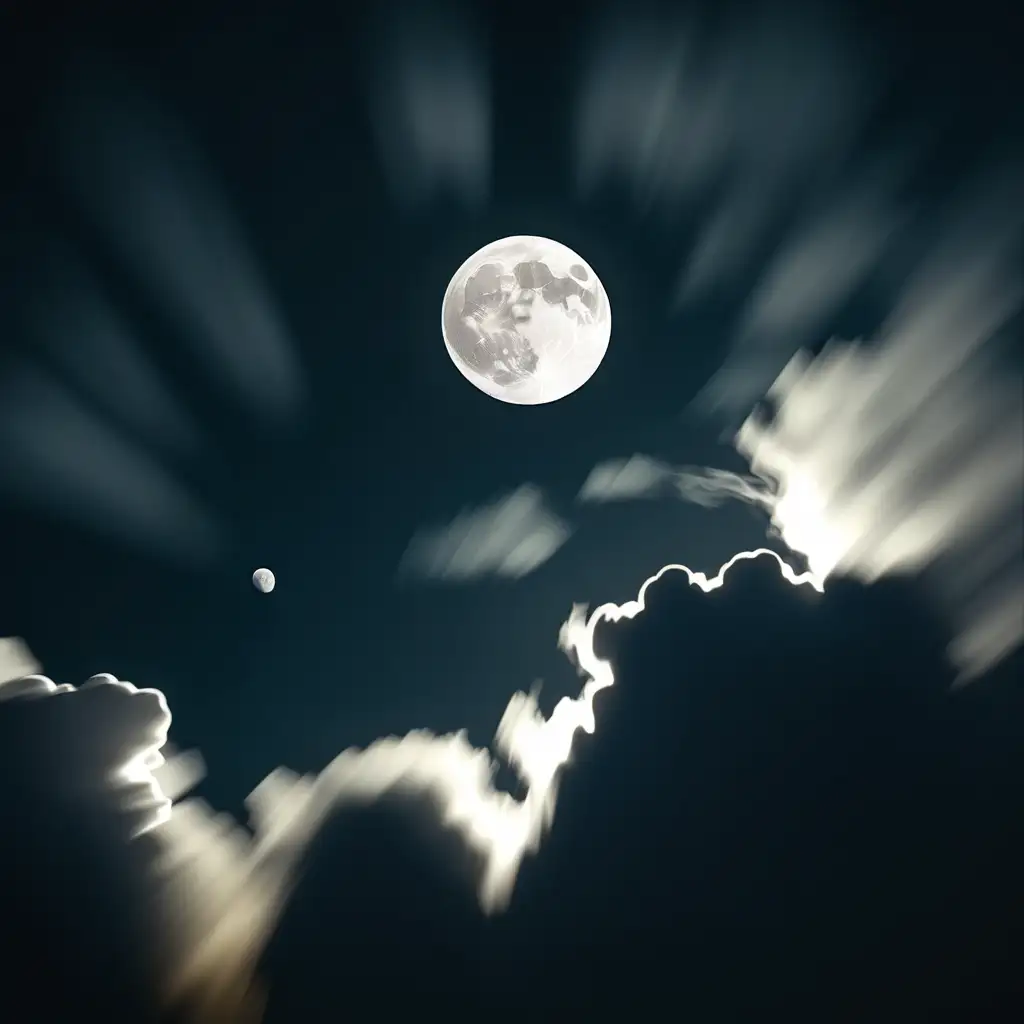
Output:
x=430 y=95
x=57 y=454
x=510 y=537
x=640 y=477
x=140 y=180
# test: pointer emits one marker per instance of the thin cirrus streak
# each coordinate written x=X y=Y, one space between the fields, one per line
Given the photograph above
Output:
x=511 y=536
x=222 y=888
x=55 y=453
x=429 y=92
x=83 y=332
x=640 y=477
x=140 y=180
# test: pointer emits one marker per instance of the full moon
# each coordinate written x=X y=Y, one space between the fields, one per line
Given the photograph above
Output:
x=263 y=580
x=526 y=320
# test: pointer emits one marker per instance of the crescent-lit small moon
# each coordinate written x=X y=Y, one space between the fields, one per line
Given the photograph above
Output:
x=263 y=580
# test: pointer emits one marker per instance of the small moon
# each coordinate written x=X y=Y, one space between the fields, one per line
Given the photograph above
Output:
x=526 y=320
x=263 y=580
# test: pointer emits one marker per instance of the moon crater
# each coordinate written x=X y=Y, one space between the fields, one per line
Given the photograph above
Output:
x=263 y=580
x=526 y=320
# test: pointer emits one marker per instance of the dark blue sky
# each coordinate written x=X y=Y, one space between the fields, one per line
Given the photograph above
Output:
x=784 y=807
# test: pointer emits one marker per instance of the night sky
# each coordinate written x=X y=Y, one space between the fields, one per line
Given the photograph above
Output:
x=786 y=808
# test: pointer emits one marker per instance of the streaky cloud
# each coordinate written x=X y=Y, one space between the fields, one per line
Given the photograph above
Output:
x=142 y=181
x=641 y=476
x=510 y=537
x=835 y=245
x=907 y=455
x=676 y=110
x=56 y=454
x=99 y=348
x=430 y=94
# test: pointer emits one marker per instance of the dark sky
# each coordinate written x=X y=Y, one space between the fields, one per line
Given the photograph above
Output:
x=785 y=809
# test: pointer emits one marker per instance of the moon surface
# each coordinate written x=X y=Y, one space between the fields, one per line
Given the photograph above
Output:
x=526 y=320
x=263 y=580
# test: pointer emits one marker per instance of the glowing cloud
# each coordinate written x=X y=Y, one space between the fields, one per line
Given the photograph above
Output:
x=888 y=465
x=907 y=455
x=16 y=662
x=883 y=461
x=221 y=888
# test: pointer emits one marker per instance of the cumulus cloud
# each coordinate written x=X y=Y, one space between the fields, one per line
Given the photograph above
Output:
x=511 y=537
x=218 y=889
x=114 y=758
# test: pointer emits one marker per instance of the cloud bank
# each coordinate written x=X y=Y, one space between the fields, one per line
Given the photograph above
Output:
x=219 y=888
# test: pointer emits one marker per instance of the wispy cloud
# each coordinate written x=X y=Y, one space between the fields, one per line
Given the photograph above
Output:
x=55 y=453
x=510 y=537
x=833 y=248
x=139 y=179
x=429 y=92
x=104 y=354
x=907 y=456
x=677 y=111
x=640 y=476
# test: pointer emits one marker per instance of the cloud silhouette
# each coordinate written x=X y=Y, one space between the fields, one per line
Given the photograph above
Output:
x=218 y=889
